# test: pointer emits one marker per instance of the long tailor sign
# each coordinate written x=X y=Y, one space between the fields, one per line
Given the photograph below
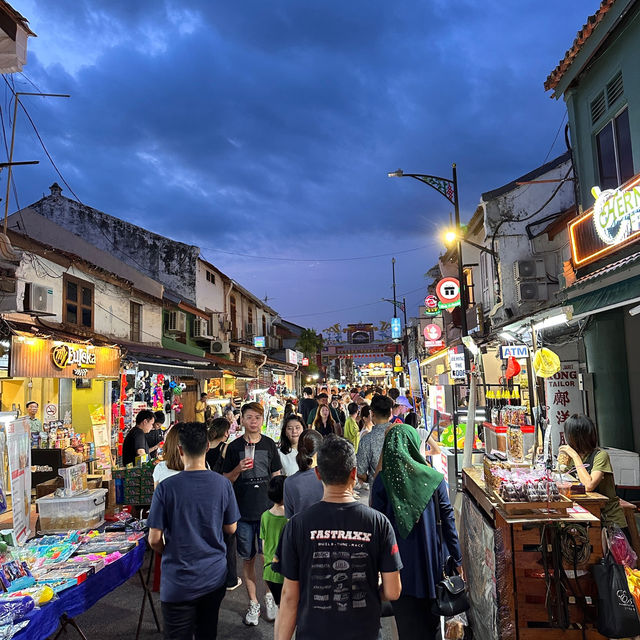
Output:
x=612 y=223
x=38 y=358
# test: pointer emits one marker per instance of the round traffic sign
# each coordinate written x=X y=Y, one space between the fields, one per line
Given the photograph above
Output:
x=432 y=332
x=431 y=302
x=448 y=290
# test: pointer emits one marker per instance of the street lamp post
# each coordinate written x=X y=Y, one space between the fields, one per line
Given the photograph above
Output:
x=448 y=189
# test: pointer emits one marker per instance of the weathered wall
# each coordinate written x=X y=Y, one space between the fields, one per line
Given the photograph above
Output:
x=512 y=243
x=111 y=303
x=171 y=263
x=209 y=296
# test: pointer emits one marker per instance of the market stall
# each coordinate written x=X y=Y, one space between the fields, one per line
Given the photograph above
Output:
x=520 y=592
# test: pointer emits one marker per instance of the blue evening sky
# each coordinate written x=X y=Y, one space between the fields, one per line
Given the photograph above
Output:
x=268 y=128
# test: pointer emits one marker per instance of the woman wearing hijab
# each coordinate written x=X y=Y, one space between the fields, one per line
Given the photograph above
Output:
x=405 y=491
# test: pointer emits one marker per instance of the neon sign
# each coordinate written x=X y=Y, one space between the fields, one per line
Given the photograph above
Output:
x=612 y=223
x=616 y=214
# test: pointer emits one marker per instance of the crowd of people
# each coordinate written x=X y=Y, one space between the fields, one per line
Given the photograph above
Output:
x=343 y=511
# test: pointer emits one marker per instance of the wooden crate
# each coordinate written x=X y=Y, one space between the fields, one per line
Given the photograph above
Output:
x=530 y=508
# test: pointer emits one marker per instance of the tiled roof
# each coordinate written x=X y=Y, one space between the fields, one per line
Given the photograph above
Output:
x=16 y=17
x=556 y=75
x=608 y=270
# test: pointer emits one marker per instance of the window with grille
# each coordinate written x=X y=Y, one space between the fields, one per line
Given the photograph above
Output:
x=135 y=322
x=78 y=302
x=211 y=277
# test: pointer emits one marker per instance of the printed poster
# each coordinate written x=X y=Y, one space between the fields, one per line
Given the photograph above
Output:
x=19 y=453
x=101 y=439
x=564 y=398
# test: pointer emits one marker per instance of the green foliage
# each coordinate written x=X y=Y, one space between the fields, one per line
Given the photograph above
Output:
x=309 y=343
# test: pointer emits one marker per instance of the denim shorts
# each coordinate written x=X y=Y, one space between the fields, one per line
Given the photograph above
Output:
x=248 y=537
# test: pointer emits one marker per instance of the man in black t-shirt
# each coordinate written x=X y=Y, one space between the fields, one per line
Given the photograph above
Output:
x=250 y=478
x=307 y=404
x=331 y=556
x=135 y=443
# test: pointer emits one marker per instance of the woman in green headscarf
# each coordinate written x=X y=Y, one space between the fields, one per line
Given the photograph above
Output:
x=405 y=491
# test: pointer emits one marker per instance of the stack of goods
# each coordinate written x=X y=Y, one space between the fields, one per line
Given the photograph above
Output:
x=518 y=485
x=33 y=574
x=513 y=415
x=134 y=485
x=493 y=464
x=59 y=435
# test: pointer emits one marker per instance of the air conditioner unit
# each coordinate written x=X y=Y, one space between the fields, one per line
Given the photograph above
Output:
x=219 y=347
x=531 y=292
x=529 y=270
x=38 y=298
x=177 y=321
x=201 y=328
x=250 y=328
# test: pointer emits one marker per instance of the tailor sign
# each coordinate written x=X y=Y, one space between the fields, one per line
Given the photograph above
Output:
x=612 y=223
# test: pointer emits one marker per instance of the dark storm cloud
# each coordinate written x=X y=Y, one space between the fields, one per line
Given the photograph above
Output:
x=269 y=128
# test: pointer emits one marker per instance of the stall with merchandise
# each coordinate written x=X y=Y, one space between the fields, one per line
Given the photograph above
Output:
x=46 y=581
x=71 y=383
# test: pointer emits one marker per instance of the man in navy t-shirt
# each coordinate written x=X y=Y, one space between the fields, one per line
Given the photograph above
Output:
x=189 y=513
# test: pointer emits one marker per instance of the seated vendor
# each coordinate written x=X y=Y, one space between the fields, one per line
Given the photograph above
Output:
x=592 y=466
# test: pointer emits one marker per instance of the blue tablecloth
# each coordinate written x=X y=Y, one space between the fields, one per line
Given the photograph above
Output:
x=45 y=621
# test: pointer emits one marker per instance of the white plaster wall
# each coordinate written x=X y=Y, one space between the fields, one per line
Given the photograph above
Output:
x=111 y=303
x=512 y=243
x=209 y=296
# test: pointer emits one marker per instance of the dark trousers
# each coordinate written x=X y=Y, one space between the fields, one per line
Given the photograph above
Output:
x=276 y=590
x=232 y=571
x=414 y=618
x=193 y=618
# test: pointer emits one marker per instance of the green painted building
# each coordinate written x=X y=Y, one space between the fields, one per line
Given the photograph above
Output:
x=599 y=79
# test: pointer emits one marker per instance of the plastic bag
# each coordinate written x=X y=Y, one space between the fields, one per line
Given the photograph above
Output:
x=454 y=627
x=620 y=548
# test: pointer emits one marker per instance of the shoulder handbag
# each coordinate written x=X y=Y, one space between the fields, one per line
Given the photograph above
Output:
x=617 y=612
x=451 y=591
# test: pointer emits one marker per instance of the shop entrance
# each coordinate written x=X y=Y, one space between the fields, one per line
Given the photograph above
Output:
x=188 y=399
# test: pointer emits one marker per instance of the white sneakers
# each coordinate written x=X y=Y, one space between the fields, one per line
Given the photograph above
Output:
x=271 y=607
x=238 y=583
x=253 y=614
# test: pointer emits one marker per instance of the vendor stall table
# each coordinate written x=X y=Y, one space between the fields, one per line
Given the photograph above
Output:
x=72 y=602
x=511 y=590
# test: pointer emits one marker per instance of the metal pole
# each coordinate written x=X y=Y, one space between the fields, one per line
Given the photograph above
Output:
x=395 y=312
x=13 y=139
x=463 y=286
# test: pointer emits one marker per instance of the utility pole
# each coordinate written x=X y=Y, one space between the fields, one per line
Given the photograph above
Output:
x=16 y=98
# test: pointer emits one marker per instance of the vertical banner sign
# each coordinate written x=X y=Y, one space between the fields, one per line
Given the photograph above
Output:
x=101 y=439
x=564 y=398
x=19 y=453
x=396 y=329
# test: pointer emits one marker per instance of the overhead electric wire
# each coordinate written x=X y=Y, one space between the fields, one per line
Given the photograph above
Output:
x=359 y=306
x=354 y=258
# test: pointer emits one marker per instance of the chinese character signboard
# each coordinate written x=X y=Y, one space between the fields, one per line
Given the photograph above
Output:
x=564 y=398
